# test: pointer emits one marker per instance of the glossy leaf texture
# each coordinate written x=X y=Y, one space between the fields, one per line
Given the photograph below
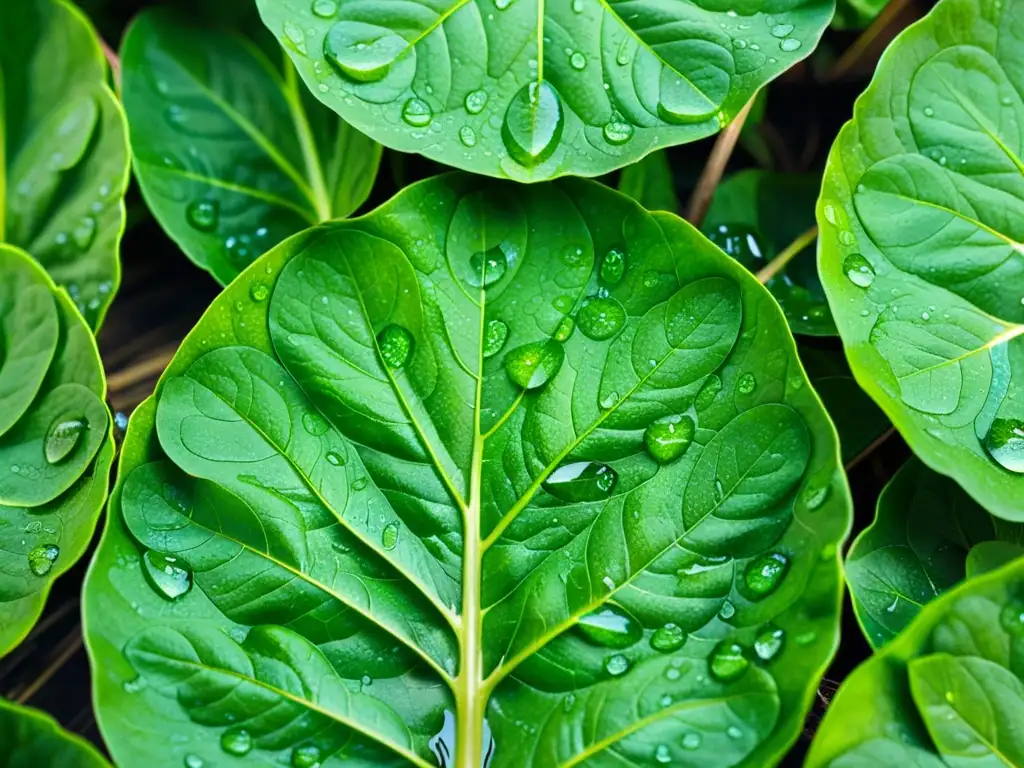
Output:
x=651 y=183
x=948 y=691
x=922 y=218
x=531 y=90
x=928 y=535
x=521 y=464
x=55 y=444
x=754 y=216
x=31 y=739
x=63 y=151
x=232 y=153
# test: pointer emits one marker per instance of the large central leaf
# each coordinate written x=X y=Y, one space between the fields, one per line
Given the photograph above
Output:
x=532 y=89
x=531 y=475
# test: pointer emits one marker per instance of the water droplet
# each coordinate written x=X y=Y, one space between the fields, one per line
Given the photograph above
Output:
x=363 y=52
x=236 y=741
x=396 y=346
x=764 y=574
x=609 y=400
x=467 y=136
x=578 y=61
x=359 y=483
x=769 y=642
x=1011 y=618
x=417 y=113
x=814 y=496
x=488 y=268
x=1005 y=443
x=727 y=611
x=746 y=384
x=790 y=44
x=668 y=638
x=325 y=9
x=858 y=270
x=667 y=439
x=728 y=661
x=314 y=423
x=739 y=43
x=203 y=215
x=389 y=537
x=565 y=328
x=308 y=756
x=613 y=267
x=781 y=30
x=42 y=558
x=495 y=336
x=733 y=732
x=806 y=638
x=194 y=761
x=692 y=740
x=84 y=232
x=169 y=576
x=533 y=123
x=601 y=318
x=616 y=665
x=581 y=481
x=929 y=112
x=259 y=292
x=534 y=365
x=475 y=102
x=577 y=6
x=741 y=243
x=617 y=131
x=662 y=754
x=293 y=32
x=708 y=392
x=610 y=627
x=336 y=459
x=624 y=55
x=62 y=439
x=501 y=5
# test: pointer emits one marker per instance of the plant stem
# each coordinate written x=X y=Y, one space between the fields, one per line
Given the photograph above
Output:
x=779 y=262
x=715 y=166
x=867 y=40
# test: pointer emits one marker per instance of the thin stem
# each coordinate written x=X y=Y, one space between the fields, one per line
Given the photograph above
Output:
x=852 y=55
x=114 y=62
x=72 y=646
x=715 y=167
x=777 y=264
x=870 y=449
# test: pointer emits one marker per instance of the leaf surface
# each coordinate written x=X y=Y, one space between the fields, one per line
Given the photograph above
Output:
x=400 y=491
x=32 y=738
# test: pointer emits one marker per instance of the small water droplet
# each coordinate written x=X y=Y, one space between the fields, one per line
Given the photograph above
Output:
x=814 y=496
x=610 y=627
x=1011 y=618
x=692 y=740
x=733 y=732
x=534 y=365
x=764 y=574
x=616 y=665
x=662 y=754
x=782 y=30
x=613 y=267
x=417 y=113
x=858 y=270
x=533 y=123
x=747 y=383
x=168 y=575
x=194 y=761
x=325 y=9
x=668 y=638
x=601 y=318
x=624 y=54
x=236 y=741
x=495 y=336
x=581 y=481
x=389 y=537
x=396 y=346
x=359 y=483
x=929 y=112
x=488 y=267
x=259 y=292
x=308 y=756
x=294 y=34
x=363 y=52
x=475 y=102
x=790 y=44
x=62 y=439
x=769 y=642
x=578 y=61
x=1004 y=442
x=42 y=558
x=727 y=611
x=667 y=439
x=467 y=136
x=84 y=233
x=565 y=328
x=617 y=131
x=203 y=215
x=728 y=662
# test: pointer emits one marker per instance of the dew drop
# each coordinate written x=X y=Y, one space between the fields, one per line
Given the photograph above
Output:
x=929 y=112
x=389 y=537
x=733 y=732
x=203 y=215
x=396 y=346
x=362 y=52
x=610 y=627
x=692 y=740
x=790 y=44
x=1011 y=618
x=194 y=761
x=42 y=558
x=668 y=638
x=488 y=267
x=617 y=132
x=858 y=270
x=1004 y=442
x=728 y=661
x=533 y=123
x=601 y=318
x=259 y=292
x=769 y=642
x=475 y=102
x=417 y=113
x=741 y=243
x=578 y=61
x=662 y=754
x=84 y=232
x=62 y=439
x=624 y=55
x=613 y=267
x=169 y=576
x=314 y=423
x=764 y=574
x=814 y=496
x=336 y=459
x=236 y=741
x=325 y=9
x=308 y=756
x=293 y=32
x=727 y=611
x=746 y=384
x=581 y=481
x=495 y=336
x=667 y=439
x=501 y=5
x=616 y=665
x=359 y=483
x=565 y=328
x=782 y=30
x=534 y=365
x=708 y=392
x=467 y=136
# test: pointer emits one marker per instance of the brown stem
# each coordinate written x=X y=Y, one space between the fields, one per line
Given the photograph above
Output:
x=853 y=55
x=777 y=264
x=113 y=61
x=715 y=166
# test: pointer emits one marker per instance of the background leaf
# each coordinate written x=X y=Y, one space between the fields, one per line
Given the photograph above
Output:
x=31 y=738
x=65 y=156
x=650 y=182
x=529 y=90
x=920 y=249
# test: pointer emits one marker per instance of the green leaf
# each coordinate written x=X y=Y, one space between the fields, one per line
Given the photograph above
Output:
x=947 y=691
x=531 y=90
x=754 y=216
x=63 y=151
x=393 y=500
x=232 y=154
x=31 y=738
x=921 y=254
x=926 y=529
x=650 y=182
x=55 y=444
x=857 y=14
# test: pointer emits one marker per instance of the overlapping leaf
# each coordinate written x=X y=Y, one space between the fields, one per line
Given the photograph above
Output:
x=31 y=739
x=922 y=219
x=948 y=691
x=55 y=447
x=64 y=156
x=526 y=476
x=532 y=90
x=232 y=154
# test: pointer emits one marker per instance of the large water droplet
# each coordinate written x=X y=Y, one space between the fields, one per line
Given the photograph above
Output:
x=708 y=392
x=363 y=52
x=781 y=30
x=582 y=481
x=610 y=627
x=668 y=638
x=467 y=136
x=389 y=537
x=495 y=336
x=534 y=365
x=314 y=423
x=417 y=113
x=62 y=439
x=814 y=496
x=236 y=741
x=169 y=576
x=680 y=102
x=533 y=123
x=728 y=662
x=1005 y=443
x=741 y=243
x=203 y=215
x=613 y=267
x=764 y=574
x=565 y=328
x=858 y=270
x=308 y=756
x=488 y=267
x=396 y=346
x=475 y=102
x=666 y=440
x=601 y=318
x=42 y=558
x=790 y=44
x=769 y=642
x=325 y=9
x=747 y=384
x=617 y=131
x=616 y=665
